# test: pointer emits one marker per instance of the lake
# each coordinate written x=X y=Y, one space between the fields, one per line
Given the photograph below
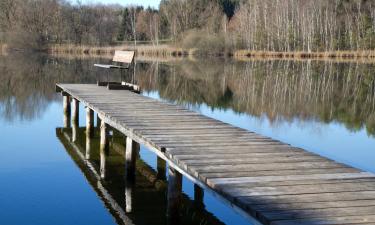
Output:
x=325 y=107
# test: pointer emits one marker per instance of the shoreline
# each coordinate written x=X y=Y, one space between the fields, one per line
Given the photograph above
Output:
x=168 y=52
x=369 y=54
x=142 y=50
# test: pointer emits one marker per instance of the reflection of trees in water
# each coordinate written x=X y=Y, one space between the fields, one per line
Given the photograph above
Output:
x=190 y=84
x=281 y=90
x=27 y=83
x=308 y=90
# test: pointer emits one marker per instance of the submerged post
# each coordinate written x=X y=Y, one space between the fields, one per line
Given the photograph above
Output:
x=174 y=195
x=66 y=106
x=198 y=197
x=104 y=148
x=89 y=130
x=131 y=151
x=161 y=168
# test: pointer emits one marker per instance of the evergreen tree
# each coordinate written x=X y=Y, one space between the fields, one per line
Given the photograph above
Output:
x=125 y=31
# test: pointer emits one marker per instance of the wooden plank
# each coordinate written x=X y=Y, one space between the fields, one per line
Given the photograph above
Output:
x=300 y=189
x=208 y=175
x=362 y=219
x=250 y=160
x=318 y=213
x=264 y=167
x=207 y=156
x=285 y=207
x=306 y=198
x=244 y=180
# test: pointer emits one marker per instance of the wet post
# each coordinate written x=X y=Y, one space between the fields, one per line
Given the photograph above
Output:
x=89 y=130
x=66 y=106
x=132 y=149
x=161 y=168
x=174 y=195
x=104 y=148
x=75 y=118
x=198 y=197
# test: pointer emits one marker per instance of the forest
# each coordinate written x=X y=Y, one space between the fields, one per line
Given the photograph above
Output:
x=207 y=25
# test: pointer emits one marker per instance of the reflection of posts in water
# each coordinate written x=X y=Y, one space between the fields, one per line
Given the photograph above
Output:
x=161 y=167
x=128 y=196
x=66 y=106
x=174 y=195
x=132 y=148
x=89 y=130
x=75 y=119
x=198 y=197
x=104 y=148
x=98 y=121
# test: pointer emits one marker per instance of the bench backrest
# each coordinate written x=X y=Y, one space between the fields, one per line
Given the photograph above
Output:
x=123 y=56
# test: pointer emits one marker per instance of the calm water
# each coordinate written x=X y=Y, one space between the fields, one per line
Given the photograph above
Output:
x=324 y=107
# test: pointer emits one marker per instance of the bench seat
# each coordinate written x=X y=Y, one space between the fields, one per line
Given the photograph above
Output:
x=110 y=66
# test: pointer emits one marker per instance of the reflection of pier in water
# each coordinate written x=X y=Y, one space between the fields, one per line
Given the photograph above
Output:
x=143 y=201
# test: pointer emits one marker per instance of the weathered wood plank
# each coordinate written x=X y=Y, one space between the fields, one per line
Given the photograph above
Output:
x=312 y=177
x=362 y=219
x=300 y=189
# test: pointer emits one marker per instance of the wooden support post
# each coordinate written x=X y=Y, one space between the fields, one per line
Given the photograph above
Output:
x=89 y=130
x=161 y=168
x=75 y=118
x=174 y=195
x=132 y=149
x=104 y=148
x=66 y=106
x=75 y=111
x=198 y=197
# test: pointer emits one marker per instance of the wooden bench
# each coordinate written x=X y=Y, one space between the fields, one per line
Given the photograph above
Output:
x=120 y=58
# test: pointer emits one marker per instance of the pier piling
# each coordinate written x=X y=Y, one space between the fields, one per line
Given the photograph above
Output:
x=104 y=148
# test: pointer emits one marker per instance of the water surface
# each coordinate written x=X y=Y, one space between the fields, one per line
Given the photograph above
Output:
x=325 y=107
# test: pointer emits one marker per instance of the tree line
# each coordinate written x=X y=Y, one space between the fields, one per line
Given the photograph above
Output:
x=306 y=25
x=217 y=25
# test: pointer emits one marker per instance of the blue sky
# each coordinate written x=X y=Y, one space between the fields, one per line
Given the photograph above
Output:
x=145 y=3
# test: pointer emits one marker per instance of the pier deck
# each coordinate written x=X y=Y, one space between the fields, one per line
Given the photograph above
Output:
x=263 y=178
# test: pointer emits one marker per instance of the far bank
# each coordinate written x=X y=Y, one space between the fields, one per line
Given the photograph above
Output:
x=180 y=52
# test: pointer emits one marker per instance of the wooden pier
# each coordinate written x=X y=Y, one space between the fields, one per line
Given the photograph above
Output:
x=266 y=180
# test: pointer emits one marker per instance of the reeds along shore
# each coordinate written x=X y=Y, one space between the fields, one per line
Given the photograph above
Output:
x=3 y=49
x=142 y=50
x=170 y=51
x=368 y=54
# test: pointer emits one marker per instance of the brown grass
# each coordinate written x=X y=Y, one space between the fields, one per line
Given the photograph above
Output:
x=141 y=50
x=368 y=54
x=3 y=49
x=170 y=53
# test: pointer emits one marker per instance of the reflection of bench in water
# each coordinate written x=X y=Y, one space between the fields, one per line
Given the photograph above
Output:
x=142 y=202
x=258 y=176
